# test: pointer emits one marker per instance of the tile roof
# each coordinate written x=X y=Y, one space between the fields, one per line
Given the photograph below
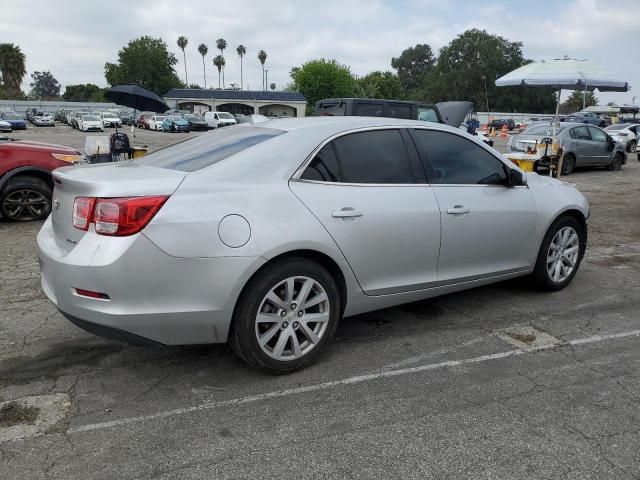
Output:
x=209 y=93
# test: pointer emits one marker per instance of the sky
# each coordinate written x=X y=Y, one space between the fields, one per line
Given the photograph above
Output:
x=74 y=38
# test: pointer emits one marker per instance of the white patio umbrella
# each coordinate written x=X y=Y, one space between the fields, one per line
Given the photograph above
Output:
x=563 y=73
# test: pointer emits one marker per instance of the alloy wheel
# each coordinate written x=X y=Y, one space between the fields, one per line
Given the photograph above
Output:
x=292 y=318
x=563 y=254
x=25 y=205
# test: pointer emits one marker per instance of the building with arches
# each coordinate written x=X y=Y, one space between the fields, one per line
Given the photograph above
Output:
x=247 y=102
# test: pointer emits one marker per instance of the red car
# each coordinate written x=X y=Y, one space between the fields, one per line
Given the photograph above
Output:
x=25 y=177
x=143 y=120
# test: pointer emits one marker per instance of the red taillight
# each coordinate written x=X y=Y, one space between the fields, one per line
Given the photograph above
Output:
x=82 y=208
x=91 y=294
x=122 y=216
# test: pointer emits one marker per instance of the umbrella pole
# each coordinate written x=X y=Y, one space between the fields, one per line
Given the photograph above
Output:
x=553 y=136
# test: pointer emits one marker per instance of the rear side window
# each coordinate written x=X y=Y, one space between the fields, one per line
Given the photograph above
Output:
x=331 y=109
x=458 y=161
x=377 y=156
x=370 y=109
x=398 y=110
x=202 y=151
x=580 y=133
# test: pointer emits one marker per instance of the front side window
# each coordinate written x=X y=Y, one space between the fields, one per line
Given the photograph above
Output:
x=375 y=157
x=458 y=161
x=597 y=135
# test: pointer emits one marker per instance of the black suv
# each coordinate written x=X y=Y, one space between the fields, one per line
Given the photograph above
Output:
x=497 y=124
x=450 y=113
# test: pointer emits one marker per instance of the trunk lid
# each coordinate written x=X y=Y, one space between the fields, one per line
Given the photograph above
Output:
x=125 y=179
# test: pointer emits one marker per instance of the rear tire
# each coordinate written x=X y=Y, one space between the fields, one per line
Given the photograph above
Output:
x=25 y=199
x=616 y=163
x=568 y=164
x=559 y=256
x=270 y=331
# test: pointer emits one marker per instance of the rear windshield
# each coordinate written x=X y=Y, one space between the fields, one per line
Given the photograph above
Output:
x=202 y=151
x=331 y=109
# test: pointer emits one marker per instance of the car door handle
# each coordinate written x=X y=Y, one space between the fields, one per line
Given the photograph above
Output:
x=347 y=212
x=458 y=210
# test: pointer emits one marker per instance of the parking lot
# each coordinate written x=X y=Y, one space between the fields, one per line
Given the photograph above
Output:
x=497 y=382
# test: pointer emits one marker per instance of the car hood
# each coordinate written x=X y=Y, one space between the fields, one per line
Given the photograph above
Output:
x=40 y=147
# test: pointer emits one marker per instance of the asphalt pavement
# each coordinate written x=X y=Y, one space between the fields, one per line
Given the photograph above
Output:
x=497 y=382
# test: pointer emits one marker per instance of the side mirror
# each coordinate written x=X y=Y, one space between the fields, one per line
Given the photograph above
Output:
x=515 y=178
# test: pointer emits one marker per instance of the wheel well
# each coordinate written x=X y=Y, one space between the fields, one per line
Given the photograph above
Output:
x=578 y=216
x=44 y=176
x=322 y=259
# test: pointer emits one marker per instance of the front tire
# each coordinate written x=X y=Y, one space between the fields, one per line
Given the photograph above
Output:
x=560 y=254
x=25 y=199
x=616 y=163
x=631 y=147
x=286 y=316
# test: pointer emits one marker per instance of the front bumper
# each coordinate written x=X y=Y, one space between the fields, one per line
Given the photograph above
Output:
x=152 y=296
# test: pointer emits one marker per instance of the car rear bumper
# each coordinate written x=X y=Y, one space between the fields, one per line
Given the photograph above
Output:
x=152 y=296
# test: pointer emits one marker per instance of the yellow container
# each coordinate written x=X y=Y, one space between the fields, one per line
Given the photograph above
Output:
x=526 y=165
x=139 y=152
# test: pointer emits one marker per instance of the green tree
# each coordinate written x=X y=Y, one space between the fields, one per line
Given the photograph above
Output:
x=203 y=50
x=12 y=69
x=242 y=51
x=218 y=62
x=44 y=86
x=182 y=44
x=272 y=86
x=84 y=93
x=221 y=43
x=318 y=79
x=474 y=54
x=381 y=85
x=262 y=56
x=575 y=101
x=145 y=61
x=413 y=65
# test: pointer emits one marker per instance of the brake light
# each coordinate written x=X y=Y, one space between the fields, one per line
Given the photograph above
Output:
x=118 y=216
x=82 y=208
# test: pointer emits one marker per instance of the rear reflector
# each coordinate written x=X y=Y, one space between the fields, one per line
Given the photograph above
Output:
x=116 y=216
x=91 y=294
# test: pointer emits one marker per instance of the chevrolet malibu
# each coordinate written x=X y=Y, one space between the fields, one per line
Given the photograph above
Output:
x=266 y=235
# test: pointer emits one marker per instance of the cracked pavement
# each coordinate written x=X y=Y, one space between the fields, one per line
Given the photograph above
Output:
x=571 y=411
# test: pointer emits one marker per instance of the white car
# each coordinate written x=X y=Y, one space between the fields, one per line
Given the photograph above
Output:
x=44 y=120
x=219 y=119
x=90 y=122
x=110 y=119
x=5 y=126
x=155 y=122
x=625 y=133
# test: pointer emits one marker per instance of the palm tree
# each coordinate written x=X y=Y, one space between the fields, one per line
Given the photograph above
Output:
x=203 y=49
x=12 y=67
x=262 y=56
x=219 y=62
x=272 y=86
x=221 y=43
x=182 y=43
x=242 y=50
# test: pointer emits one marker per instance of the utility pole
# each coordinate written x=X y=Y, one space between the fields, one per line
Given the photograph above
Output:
x=266 y=78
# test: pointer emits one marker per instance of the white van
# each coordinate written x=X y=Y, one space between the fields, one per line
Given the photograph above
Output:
x=219 y=119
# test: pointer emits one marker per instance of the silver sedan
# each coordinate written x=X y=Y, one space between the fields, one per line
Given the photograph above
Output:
x=266 y=235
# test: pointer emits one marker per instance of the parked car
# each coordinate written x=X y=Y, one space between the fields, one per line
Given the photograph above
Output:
x=210 y=219
x=16 y=121
x=155 y=122
x=175 y=123
x=110 y=119
x=477 y=133
x=127 y=118
x=498 y=123
x=5 y=126
x=582 y=145
x=143 y=120
x=449 y=113
x=61 y=114
x=42 y=119
x=90 y=122
x=25 y=177
x=196 y=122
x=219 y=119
x=76 y=116
x=626 y=134
x=585 y=117
x=30 y=113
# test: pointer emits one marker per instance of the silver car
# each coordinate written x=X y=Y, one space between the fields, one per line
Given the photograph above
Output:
x=266 y=235
x=582 y=145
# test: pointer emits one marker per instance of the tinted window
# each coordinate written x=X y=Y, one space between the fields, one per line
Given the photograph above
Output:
x=370 y=109
x=597 y=135
x=324 y=166
x=378 y=156
x=331 y=109
x=400 y=111
x=580 y=133
x=456 y=160
x=202 y=151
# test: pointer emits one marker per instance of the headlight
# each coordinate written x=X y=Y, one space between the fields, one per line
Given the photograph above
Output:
x=67 y=158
